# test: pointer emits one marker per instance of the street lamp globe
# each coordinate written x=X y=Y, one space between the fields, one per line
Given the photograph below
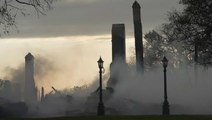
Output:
x=100 y=63
x=165 y=62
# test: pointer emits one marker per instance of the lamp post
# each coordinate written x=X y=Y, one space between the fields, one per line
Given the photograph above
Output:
x=165 y=103
x=100 y=110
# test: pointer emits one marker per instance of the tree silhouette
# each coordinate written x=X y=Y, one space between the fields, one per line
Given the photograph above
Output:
x=194 y=24
x=10 y=9
x=159 y=44
x=192 y=27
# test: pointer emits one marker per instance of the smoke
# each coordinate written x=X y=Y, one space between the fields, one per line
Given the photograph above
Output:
x=43 y=67
x=15 y=74
x=134 y=94
x=188 y=91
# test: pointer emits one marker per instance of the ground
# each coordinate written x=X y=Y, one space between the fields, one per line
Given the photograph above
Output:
x=120 y=118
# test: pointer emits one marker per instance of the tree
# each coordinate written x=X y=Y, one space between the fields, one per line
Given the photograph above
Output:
x=154 y=48
x=5 y=89
x=159 y=43
x=10 y=9
x=192 y=29
x=193 y=26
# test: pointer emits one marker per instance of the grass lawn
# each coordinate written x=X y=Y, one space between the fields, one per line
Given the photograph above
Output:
x=120 y=118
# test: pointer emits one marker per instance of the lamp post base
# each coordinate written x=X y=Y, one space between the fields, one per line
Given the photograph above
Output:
x=166 y=108
x=100 y=110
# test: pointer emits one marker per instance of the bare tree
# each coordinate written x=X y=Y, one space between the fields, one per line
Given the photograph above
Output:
x=10 y=9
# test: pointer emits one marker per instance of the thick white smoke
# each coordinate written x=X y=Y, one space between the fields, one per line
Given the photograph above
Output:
x=188 y=91
x=134 y=94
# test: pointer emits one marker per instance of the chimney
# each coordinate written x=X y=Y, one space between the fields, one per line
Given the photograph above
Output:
x=118 y=42
x=138 y=36
x=118 y=53
x=30 y=92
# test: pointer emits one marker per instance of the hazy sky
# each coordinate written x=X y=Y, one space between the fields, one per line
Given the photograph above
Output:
x=92 y=17
x=75 y=33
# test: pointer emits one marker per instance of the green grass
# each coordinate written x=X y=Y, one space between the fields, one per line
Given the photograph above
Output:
x=120 y=118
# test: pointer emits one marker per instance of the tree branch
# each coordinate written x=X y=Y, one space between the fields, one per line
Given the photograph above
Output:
x=21 y=2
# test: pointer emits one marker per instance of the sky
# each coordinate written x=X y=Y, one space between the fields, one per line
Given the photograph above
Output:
x=74 y=34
